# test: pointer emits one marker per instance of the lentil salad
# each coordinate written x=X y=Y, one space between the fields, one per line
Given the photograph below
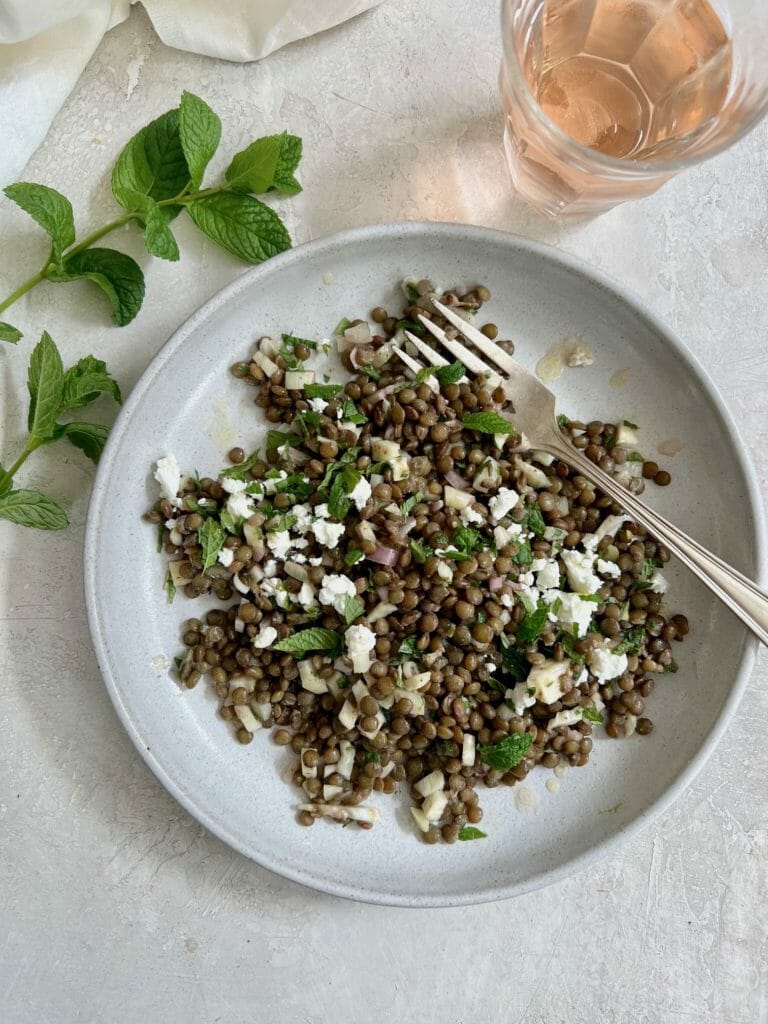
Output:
x=419 y=603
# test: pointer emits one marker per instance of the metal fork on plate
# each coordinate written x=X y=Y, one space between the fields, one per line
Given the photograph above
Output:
x=536 y=419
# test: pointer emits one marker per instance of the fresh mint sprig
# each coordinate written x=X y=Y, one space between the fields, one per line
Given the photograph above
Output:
x=53 y=392
x=158 y=174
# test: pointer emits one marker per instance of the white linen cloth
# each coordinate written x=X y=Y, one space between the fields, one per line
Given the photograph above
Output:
x=46 y=44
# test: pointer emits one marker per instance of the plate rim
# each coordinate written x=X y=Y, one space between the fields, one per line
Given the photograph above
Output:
x=250 y=279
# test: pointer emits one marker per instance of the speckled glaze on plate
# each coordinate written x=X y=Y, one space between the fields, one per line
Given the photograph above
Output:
x=187 y=403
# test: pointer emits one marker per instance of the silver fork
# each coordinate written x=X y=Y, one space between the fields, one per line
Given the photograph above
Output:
x=535 y=415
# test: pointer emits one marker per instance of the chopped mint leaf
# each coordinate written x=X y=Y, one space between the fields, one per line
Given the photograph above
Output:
x=353 y=556
x=487 y=422
x=411 y=291
x=371 y=756
x=160 y=536
x=631 y=642
x=324 y=391
x=227 y=521
x=242 y=470
x=351 y=414
x=353 y=609
x=342 y=325
x=563 y=420
x=533 y=625
x=409 y=648
x=569 y=646
x=410 y=503
x=313 y=639
x=211 y=536
x=635 y=457
x=291 y=339
x=534 y=520
x=420 y=551
x=507 y=753
x=414 y=326
x=632 y=426
x=592 y=715
x=467 y=832
x=513 y=661
x=170 y=587
x=370 y=372
x=276 y=439
x=524 y=554
x=672 y=666
x=344 y=483
x=450 y=374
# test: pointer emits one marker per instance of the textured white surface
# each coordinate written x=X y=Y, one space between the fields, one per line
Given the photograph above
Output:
x=115 y=905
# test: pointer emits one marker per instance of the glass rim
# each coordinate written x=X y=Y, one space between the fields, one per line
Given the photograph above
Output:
x=576 y=155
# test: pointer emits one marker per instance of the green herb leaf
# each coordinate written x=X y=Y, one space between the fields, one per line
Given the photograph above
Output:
x=468 y=540
x=371 y=373
x=297 y=485
x=513 y=661
x=85 y=381
x=291 y=339
x=488 y=423
x=524 y=554
x=507 y=753
x=9 y=333
x=343 y=484
x=409 y=647
x=450 y=374
x=31 y=508
x=241 y=224
x=276 y=439
x=90 y=438
x=351 y=414
x=158 y=237
x=344 y=324
x=314 y=639
x=592 y=715
x=287 y=162
x=253 y=169
x=353 y=556
x=635 y=457
x=353 y=609
x=534 y=520
x=563 y=420
x=119 y=277
x=227 y=520
x=672 y=666
x=631 y=642
x=371 y=756
x=170 y=588
x=242 y=470
x=632 y=426
x=420 y=551
x=324 y=391
x=414 y=326
x=200 y=134
x=410 y=503
x=51 y=210
x=467 y=832
x=45 y=380
x=533 y=625
x=211 y=536
x=152 y=163
x=569 y=641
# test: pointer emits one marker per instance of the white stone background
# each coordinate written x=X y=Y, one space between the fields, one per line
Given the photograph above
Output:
x=115 y=905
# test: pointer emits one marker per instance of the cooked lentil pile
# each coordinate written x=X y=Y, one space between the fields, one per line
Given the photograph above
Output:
x=418 y=605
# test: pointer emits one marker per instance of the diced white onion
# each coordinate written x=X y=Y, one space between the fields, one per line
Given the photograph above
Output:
x=432 y=783
x=420 y=818
x=348 y=715
x=346 y=761
x=247 y=717
x=308 y=771
x=434 y=806
x=468 y=750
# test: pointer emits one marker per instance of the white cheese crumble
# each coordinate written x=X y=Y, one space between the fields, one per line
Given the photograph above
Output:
x=606 y=666
x=504 y=535
x=520 y=697
x=168 y=475
x=548 y=576
x=578 y=567
x=232 y=486
x=608 y=528
x=279 y=543
x=360 y=493
x=226 y=557
x=265 y=637
x=306 y=596
x=327 y=534
x=502 y=503
x=608 y=568
x=468 y=516
x=318 y=404
x=360 y=642
x=571 y=610
x=303 y=514
x=658 y=583
x=335 y=590
x=569 y=717
x=239 y=505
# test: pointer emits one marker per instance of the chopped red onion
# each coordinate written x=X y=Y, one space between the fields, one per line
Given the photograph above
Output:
x=383 y=556
x=457 y=481
x=495 y=583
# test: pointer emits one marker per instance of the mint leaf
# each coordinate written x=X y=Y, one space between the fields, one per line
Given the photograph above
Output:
x=563 y=420
x=200 y=134
x=353 y=609
x=507 y=753
x=344 y=482
x=534 y=520
x=635 y=457
x=631 y=642
x=532 y=626
x=351 y=414
x=524 y=554
x=324 y=391
x=468 y=832
x=211 y=536
x=569 y=641
x=170 y=588
x=353 y=556
x=45 y=380
x=632 y=426
x=513 y=661
x=9 y=333
x=242 y=225
x=287 y=162
x=488 y=423
x=291 y=339
x=90 y=438
x=152 y=163
x=314 y=639
x=51 y=210
x=119 y=277
x=85 y=381
x=450 y=374
x=410 y=503
x=344 y=324
x=253 y=169
x=31 y=508
x=276 y=439
x=371 y=756
x=158 y=237
x=409 y=647
x=592 y=715
x=242 y=470
x=420 y=551
x=467 y=540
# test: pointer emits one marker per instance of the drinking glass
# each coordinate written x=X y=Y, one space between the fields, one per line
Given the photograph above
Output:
x=605 y=100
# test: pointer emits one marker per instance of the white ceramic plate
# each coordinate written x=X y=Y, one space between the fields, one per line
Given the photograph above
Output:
x=186 y=403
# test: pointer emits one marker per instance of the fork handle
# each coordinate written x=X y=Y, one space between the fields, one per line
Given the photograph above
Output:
x=739 y=593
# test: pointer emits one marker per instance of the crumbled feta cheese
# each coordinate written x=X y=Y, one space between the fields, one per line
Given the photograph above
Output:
x=504 y=535
x=502 y=503
x=335 y=590
x=306 y=595
x=658 y=583
x=538 y=564
x=548 y=577
x=171 y=523
x=468 y=516
x=609 y=527
x=232 y=486
x=318 y=404
x=328 y=534
x=507 y=601
x=582 y=678
x=269 y=568
x=578 y=567
x=571 y=610
x=360 y=493
x=271 y=483
x=605 y=665
x=279 y=543
x=303 y=514
x=239 y=505
x=321 y=512
x=265 y=637
x=226 y=557
x=168 y=475
x=569 y=717
x=445 y=571
x=360 y=642
x=546 y=680
x=298 y=557
x=315 y=561
x=276 y=589
x=520 y=697
x=608 y=568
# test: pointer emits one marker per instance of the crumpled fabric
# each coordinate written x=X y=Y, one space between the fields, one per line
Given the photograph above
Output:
x=45 y=46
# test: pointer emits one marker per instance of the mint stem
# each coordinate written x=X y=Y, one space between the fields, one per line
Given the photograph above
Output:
x=7 y=477
x=24 y=288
